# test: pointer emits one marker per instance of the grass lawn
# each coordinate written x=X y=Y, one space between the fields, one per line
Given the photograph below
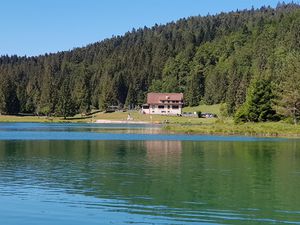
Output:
x=182 y=124
x=4 y=118
x=150 y=118
x=163 y=118
x=41 y=119
x=215 y=109
x=268 y=129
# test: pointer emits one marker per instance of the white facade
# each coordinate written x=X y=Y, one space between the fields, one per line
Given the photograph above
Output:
x=163 y=104
x=162 y=109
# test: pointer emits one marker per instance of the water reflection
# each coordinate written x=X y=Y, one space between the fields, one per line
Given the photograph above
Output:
x=80 y=127
x=113 y=132
x=163 y=181
x=163 y=152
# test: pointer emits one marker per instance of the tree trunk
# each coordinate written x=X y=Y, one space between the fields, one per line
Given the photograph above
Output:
x=294 y=116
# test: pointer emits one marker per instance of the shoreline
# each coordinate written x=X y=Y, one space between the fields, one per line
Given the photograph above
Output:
x=250 y=130
x=179 y=125
x=121 y=122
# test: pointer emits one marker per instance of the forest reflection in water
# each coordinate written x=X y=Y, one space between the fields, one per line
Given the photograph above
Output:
x=220 y=182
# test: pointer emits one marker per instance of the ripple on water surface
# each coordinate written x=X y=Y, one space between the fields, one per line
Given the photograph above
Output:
x=151 y=180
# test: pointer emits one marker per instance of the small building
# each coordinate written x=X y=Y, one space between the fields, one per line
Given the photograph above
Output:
x=163 y=103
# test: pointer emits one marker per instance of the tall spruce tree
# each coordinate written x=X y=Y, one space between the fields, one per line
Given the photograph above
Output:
x=65 y=106
x=195 y=87
x=289 y=97
x=9 y=103
x=259 y=103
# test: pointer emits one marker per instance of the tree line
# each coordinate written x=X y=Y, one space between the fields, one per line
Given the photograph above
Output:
x=248 y=60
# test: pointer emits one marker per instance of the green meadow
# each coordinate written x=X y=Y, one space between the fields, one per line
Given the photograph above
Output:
x=180 y=124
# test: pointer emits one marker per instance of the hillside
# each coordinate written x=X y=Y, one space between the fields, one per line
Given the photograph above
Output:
x=211 y=59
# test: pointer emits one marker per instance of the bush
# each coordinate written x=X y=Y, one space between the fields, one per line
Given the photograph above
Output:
x=224 y=110
x=240 y=115
x=199 y=113
x=289 y=120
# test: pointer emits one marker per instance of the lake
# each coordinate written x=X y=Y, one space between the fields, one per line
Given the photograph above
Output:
x=73 y=174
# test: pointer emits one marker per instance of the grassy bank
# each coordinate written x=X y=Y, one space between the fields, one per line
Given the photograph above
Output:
x=42 y=119
x=116 y=116
x=187 y=125
x=270 y=129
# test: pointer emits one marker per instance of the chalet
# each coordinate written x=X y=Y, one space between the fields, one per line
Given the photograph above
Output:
x=163 y=103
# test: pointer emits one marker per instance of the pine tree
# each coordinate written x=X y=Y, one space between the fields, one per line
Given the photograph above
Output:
x=9 y=103
x=108 y=96
x=84 y=91
x=65 y=106
x=289 y=98
x=45 y=105
x=258 y=106
x=131 y=99
x=195 y=87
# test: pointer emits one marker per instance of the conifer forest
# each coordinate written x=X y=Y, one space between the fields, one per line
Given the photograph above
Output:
x=248 y=60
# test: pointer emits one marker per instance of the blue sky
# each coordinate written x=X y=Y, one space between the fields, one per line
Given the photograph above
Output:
x=33 y=27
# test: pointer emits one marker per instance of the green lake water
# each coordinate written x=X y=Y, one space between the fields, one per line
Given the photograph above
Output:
x=109 y=174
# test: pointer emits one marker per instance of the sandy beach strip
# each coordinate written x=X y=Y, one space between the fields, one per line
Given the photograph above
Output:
x=121 y=122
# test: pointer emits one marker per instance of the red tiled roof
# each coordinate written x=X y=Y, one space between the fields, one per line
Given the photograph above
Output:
x=156 y=98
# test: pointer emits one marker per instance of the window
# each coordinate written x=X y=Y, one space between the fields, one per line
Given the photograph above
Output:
x=145 y=107
x=175 y=107
x=168 y=107
x=161 y=106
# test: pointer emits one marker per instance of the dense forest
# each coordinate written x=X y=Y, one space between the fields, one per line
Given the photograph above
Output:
x=248 y=60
